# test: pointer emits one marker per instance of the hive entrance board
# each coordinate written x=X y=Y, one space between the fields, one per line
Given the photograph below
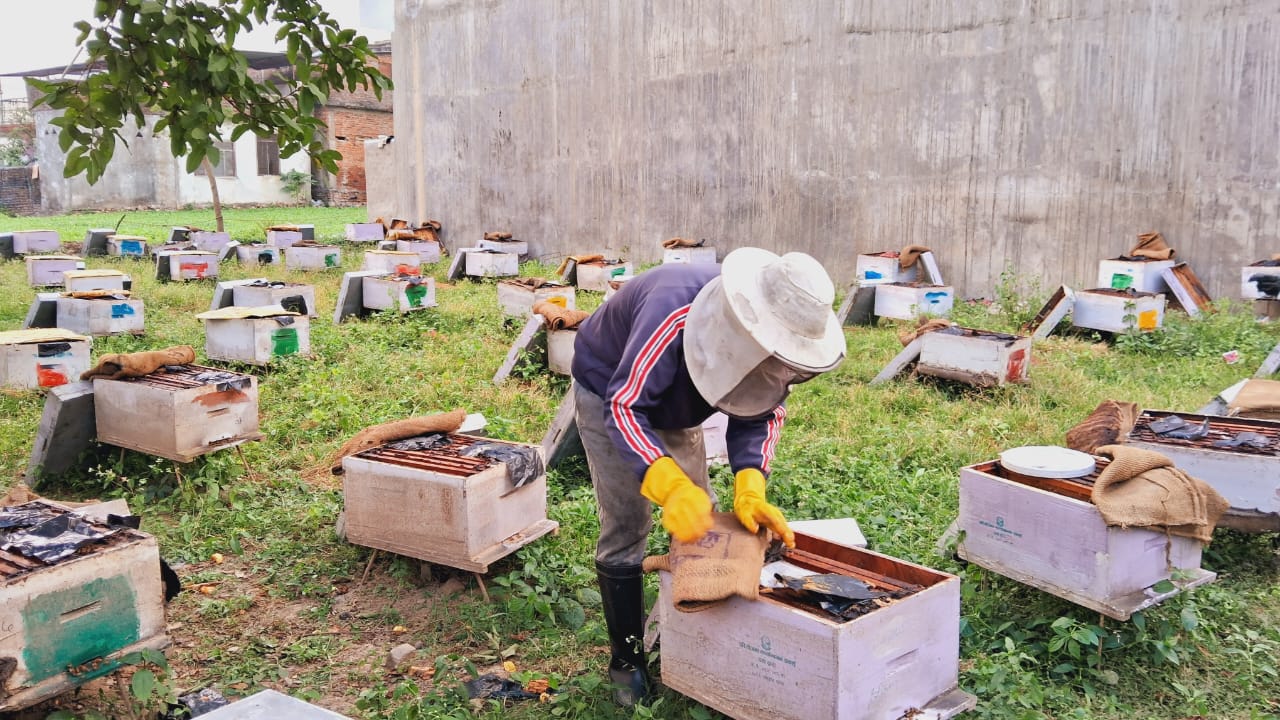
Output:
x=1054 y=310
x=858 y=307
x=1187 y=289
x=532 y=340
x=351 y=295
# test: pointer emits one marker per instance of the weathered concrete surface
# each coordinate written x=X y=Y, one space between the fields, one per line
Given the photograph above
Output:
x=1040 y=135
x=380 y=181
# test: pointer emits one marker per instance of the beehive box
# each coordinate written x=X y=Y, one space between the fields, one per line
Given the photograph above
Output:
x=768 y=660
x=689 y=255
x=276 y=293
x=392 y=261
x=364 y=232
x=180 y=414
x=46 y=270
x=71 y=621
x=910 y=300
x=1049 y=536
x=100 y=316
x=1141 y=275
x=36 y=241
x=1248 y=478
x=515 y=247
x=255 y=335
x=210 y=241
x=271 y=704
x=283 y=239
x=42 y=357
x=976 y=357
x=79 y=280
x=477 y=516
x=615 y=284
x=257 y=254
x=1117 y=310
x=428 y=250
x=192 y=265
x=882 y=267
x=403 y=294
x=517 y=299
x=560 y=350
x=313 y=257
x=595 y=277
x=133 y=246
x=1260 y=281
x=490 y=263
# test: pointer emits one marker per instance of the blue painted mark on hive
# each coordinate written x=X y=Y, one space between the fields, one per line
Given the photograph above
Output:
x=120 y=310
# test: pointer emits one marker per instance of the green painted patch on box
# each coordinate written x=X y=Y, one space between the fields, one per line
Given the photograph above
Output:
x=70 y=627
x=415 y=292
x=331 y=260
x=284 y=341
x=1121 y=281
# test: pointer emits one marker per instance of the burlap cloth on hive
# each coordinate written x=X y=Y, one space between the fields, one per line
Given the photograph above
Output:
x=910 y=254
x=580 y=259
x=497 y=236
x=99 y=293
x=376 y=435
x=679 y=242
x=725 y=562
x=285 y=228
x=923 y=326
x=530 y=282
x=1258 y=399
x=1109 y=423
x=559 y=318
x=114 y=366
x=1141 y=488
x=1151 y=246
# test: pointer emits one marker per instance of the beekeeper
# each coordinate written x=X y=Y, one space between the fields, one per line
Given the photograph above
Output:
x=674 y=345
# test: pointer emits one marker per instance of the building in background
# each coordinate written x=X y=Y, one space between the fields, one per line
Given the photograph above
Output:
x=351 y=119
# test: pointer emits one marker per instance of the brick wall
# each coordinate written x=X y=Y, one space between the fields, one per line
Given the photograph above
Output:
x=352 y=118
x=19 y=194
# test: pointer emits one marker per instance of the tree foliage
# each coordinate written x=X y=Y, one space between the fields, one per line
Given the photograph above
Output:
x=177 y=59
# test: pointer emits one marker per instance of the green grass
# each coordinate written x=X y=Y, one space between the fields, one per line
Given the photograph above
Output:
x=289 y=609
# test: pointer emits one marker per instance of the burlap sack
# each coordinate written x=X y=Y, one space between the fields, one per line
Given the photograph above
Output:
x=285 y=228
x=397 y=224
x=924 y=325
x=1152 y=246
x=580 y=259
x=114 y=366
x=725 y=562
x=679 y=242
x=306 y=243
x=1142 y=488
x=559 y=318
x=1258 y=399
x=401 y=234
x=530 y=282
x=427 y=232
x=99 y=293
x=376 y=435
x=497 y=236
x=1109 y=423
x=910 y=254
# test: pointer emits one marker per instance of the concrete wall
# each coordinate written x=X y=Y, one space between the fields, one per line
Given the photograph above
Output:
x=145 y=174
x=351 y=118
x=1039 y=134
x=380 y=179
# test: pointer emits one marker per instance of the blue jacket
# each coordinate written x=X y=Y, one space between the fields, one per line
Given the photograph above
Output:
x=631 y=353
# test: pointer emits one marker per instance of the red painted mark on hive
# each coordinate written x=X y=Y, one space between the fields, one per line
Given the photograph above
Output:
x=196 y=269
x=1017 y=364
x=224 y=397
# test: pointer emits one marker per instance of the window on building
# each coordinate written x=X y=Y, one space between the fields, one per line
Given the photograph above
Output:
x=268 y=156
x=226 y=165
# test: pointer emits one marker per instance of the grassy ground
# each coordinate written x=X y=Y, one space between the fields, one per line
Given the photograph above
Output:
x=292 y=607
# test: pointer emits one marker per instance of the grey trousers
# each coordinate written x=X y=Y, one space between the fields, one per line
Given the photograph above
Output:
x=626 y=516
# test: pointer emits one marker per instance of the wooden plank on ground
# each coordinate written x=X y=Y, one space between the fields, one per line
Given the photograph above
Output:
x=351 y=295
x=224 y=291
x=929 y=268
x=229 y=251
x=570 y=274
x=43 y=312
x=528 y=340
x=6 y=246
x=1187 y=289
x=163 y=274
x=858 y=306
x=562 y=440
x=95 y=241
x=458 y=265
x=1270 y=365
x=900 y=361
x=67 y=428
x=1059 y=304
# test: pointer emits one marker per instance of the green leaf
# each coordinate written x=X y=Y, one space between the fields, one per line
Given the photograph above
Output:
x=1189 y=619
x=1110 y=677
x=143 y=684
x=1063 y=669
x=1164 y=586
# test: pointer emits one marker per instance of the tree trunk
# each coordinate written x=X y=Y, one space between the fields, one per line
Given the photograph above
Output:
x=213 y=190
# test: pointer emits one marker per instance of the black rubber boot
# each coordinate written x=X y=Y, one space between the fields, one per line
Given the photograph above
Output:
x=622 y=590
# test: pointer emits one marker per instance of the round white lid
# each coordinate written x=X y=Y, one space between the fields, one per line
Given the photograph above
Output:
x=1047 y=461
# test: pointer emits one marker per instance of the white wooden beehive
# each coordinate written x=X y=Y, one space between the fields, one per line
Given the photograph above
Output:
x=210 y=240
x=179 y=415
x=262 y=335
x=878 y=268
x=80 y=280
x=390 y=292
x=477 y=516
x=713 y=438
x=483 y=263
x=767 y=660
x=595 y=277
x=517 y=300
x=192 y=265
x=1061 y=545
x=428 y=250
x=1117 y=310
x=976 y=357
x=71 y=621
x=1251 y=274
x=364 y=232
x=100 y=316
x=615 y=285
x=273 y=294
x=36 y=241
x=689 y=255
x=1141 y=275
x=313 y=257
x=391 y=261
x=42 y=357
x=560 y=350
x=515 y=247
x=255 y=254
x=908 y=301
x=134 y=246
x=283 y=238
x=46 y=270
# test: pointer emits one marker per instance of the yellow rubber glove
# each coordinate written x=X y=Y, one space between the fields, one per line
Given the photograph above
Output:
x=753 y=510
x=686 y=508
